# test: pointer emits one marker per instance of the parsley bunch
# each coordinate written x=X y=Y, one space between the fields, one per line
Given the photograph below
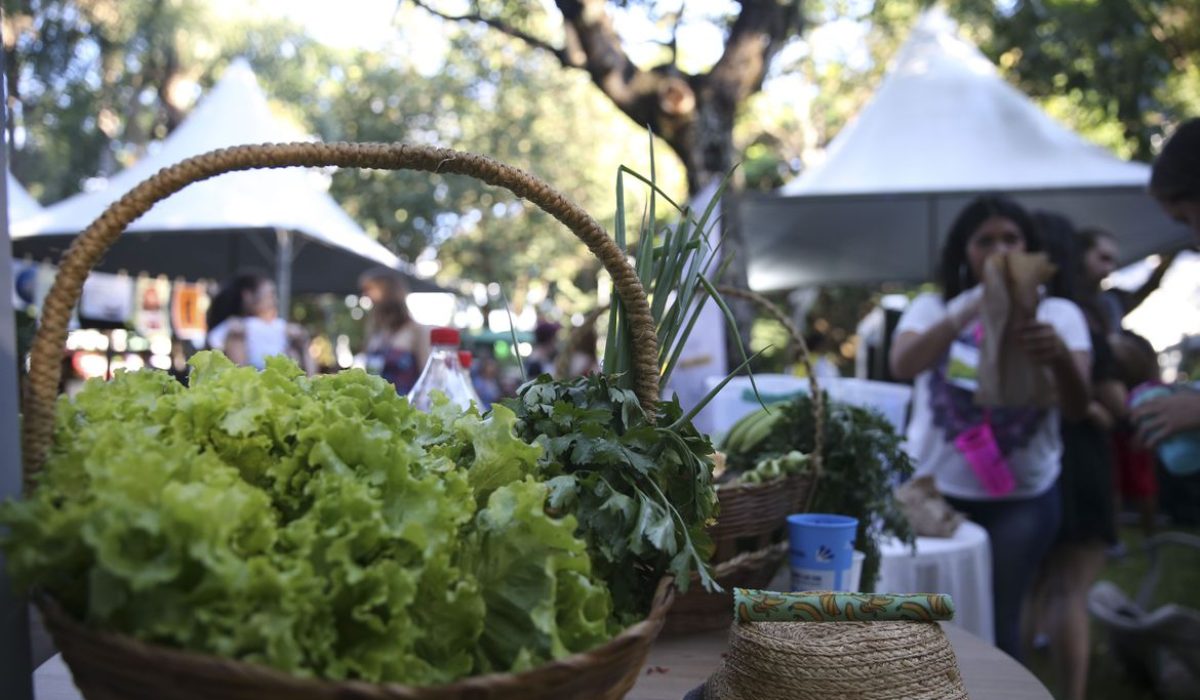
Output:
x=641 y=492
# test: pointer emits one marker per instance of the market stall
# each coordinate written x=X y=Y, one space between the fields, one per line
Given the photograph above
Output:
x=942 y=127
x=281 y=220
x=21 y=204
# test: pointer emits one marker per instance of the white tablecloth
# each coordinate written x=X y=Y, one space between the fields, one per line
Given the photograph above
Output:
x=960 y=566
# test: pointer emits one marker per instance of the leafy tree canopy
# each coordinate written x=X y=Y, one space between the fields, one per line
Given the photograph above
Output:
x=96 y=86
x=564 y=92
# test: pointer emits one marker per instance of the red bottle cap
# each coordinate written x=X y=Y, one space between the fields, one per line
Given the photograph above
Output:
x=464 y=358
x=444 y=336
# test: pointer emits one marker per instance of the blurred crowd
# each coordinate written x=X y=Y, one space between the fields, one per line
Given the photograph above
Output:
x=1047 y=478
x=244 y=322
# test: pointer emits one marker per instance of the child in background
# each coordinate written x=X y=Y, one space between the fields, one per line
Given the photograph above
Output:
x=1137 y=363
x=244 y=322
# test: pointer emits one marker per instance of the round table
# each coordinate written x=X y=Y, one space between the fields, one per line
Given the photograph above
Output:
x=678 y=664
x=960 y=566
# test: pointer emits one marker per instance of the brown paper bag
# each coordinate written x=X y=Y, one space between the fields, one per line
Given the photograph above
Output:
x=928 y=513
x=1007 y=376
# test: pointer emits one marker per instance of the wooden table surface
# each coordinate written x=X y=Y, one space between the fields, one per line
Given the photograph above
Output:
x=679 y=664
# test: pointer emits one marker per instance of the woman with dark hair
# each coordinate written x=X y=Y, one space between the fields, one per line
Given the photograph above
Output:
x=1085 y=484
x=244 y=323
x=1175 y=183
x=937 y=342
x=397 y=346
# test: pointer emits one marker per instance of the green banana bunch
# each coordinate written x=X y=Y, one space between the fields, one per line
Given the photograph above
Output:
x=750 y=431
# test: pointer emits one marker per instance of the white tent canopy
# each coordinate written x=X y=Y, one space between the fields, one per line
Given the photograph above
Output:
x=944 y=120
x=21 y=204
x=230 y=220
x=942 y=127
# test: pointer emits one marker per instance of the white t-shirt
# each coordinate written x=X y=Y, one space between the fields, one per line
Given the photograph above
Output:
x=1036 y=464
x=263 y=338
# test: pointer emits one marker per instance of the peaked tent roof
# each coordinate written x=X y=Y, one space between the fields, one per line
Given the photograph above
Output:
x=21 y=204
x=219 y=214
x=941 y=128
x=943 y=119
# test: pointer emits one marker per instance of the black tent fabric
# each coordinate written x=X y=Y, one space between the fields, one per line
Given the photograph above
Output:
x=851 y=239
x=316 y=267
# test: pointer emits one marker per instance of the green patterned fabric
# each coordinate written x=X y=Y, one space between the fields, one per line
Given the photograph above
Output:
x=815 y=606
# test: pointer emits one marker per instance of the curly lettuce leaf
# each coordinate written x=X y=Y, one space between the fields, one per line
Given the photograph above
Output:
x=542 y=601
x=317 y=525
x=497 y=457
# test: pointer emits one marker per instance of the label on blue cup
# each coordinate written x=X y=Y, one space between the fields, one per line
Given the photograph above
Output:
x=812 y=580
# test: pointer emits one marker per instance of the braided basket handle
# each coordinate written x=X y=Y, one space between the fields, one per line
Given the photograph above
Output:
x=86 y=250
x=805 y=359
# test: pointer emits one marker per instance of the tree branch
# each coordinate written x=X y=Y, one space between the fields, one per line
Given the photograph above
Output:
x=759 y=32
x=503 y=28
x=662 y=98
x=171 y=75
x=675 y=34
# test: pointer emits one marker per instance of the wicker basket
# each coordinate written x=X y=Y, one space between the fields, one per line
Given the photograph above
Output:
x=754 y=516
x=698 y=611
x=112 y=667
x=821 y=660
x=749 y=537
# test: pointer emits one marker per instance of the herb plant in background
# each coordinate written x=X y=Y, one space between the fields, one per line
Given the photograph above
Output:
x=862 y=460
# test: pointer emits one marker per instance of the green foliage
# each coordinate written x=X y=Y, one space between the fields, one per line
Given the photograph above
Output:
x=641 y=493
x=861 y=458
x=93 y=82
x=321 y=526
x=674 y=263
x=88 y=104
x=536 y=579
x=1117 y=71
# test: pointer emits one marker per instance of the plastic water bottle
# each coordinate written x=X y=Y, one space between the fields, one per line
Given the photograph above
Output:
x=1180 y=453
x=465 y=360
x=443 y=374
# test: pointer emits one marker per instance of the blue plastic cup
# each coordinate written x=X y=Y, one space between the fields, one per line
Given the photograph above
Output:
x=821 y=551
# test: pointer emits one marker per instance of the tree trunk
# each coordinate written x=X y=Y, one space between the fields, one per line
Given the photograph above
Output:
x=707 y=150
x=694 y=114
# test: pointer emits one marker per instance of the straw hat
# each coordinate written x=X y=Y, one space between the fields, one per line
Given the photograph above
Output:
x=829 y=660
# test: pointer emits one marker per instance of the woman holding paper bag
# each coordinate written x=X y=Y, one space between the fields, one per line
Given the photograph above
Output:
x=999 y=463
